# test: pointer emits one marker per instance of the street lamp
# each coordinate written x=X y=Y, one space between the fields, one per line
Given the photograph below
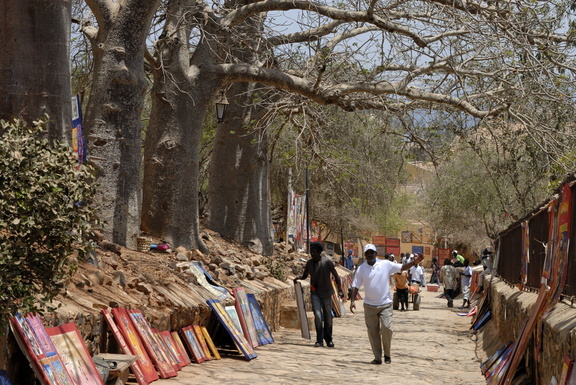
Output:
x=221 y=106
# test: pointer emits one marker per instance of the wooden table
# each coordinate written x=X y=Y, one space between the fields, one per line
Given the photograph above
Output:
x=119 y=367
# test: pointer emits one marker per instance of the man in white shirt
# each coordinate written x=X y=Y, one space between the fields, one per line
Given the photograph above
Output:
x=374 y=275
x=417 y=274
x=465 y=283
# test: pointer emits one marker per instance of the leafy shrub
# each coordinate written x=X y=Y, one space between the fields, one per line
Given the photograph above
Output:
x=45 y=220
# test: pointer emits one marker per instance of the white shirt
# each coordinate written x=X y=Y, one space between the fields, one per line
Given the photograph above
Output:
x=376 y=281
x=466 y=280
x=416 y=272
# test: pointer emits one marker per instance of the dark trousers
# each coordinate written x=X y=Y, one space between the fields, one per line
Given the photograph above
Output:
x=449 y=294
x=322 y=308
x=403 y=297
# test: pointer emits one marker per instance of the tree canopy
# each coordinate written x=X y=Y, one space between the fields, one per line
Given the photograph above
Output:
x=428 y=71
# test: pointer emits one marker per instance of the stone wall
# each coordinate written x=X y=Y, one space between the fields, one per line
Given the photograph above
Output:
x=510 y=310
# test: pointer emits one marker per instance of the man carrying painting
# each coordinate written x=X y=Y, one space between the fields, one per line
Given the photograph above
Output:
x=319 y=268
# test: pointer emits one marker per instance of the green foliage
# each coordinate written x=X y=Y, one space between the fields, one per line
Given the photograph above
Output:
x=44 y=217
x=353 y=170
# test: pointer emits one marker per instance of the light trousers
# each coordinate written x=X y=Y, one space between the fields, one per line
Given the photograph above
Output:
x=466 y=292
x=379 y=323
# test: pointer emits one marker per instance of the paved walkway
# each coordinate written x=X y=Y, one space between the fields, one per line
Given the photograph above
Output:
x=430 y=346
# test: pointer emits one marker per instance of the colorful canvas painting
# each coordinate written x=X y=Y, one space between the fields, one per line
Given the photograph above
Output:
x=156 y=351
x=134 y=343
x=567 y=365
x=36 y=345
x=239 y=339
x=246 y=321
x=193 y=344
x=171 y=348
x=75 y=357
x=210 y=343
x=262 y=330
x=136 y=366
x=231 y=310
x=202 y=342
x=203 y=281
x=181 y=347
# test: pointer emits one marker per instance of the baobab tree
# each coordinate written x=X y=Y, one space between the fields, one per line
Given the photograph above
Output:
x=34 y=64
x=470 y=57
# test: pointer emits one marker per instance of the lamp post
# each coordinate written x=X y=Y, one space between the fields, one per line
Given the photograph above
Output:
x=221 y=106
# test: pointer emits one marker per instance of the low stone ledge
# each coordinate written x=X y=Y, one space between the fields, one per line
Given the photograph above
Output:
x=510 y=310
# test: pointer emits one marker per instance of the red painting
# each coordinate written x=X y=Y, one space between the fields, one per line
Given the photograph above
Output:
x=181 y=347
x=75 y=357
x=155 y=349
x=38 y=348
x=134 y=343
x=193 y=344
x=136 y=367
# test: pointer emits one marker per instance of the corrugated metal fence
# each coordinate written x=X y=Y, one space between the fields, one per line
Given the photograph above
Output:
x=510 y=248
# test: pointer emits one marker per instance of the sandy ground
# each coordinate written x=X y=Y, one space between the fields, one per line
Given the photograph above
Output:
x=430 y=346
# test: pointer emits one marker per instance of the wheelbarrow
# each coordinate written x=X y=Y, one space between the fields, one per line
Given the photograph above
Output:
x=414 y=297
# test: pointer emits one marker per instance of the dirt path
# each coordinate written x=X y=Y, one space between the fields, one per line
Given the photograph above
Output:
x=430 y=346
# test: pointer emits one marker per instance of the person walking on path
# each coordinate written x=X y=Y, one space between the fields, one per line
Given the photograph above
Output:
x=319 y=268
x=349 y=261
x=449 y=277
x=374 y=275
x=401 y=284
x=417 y=273
x=466 y=280
x=435 y=271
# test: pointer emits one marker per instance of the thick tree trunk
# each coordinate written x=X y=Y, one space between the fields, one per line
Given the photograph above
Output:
x=170 y=202
x=35 y=63
x=113 y=118
x=238 y=192
x=181 y=94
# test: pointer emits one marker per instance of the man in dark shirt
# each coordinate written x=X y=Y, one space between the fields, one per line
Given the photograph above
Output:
x=319 y=269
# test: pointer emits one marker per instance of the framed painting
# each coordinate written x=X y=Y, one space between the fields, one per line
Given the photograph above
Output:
x=134 y=343
x=231 y=310
x=165 y=339
x=75 y=357
x=193 y=344
x=136 y=366
x=301 y=306
x=155 y=349
x=262 y=330
x=38 y=348
x=202 y=342
x=210 y=343
x=243 y=344
x=245 y=316
x=181 y=347
x=406 y=237
x=417 y=250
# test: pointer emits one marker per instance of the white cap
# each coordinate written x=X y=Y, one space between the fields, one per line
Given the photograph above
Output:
x=369 y=247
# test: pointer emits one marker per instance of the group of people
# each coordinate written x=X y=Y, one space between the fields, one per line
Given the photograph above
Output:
x=374 y=275
x=452 y=279
x=403 y=279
